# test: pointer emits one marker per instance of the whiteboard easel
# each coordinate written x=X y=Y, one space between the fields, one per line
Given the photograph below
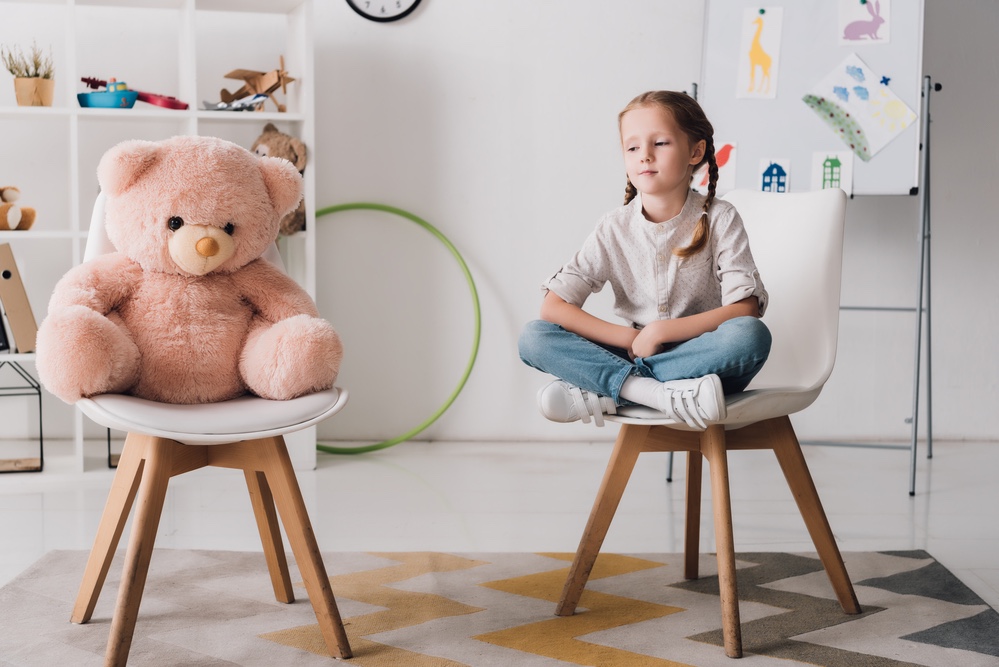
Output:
x=786 y=127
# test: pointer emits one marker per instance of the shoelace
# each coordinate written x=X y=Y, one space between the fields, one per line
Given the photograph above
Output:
x=586 y=404
x=684 y=406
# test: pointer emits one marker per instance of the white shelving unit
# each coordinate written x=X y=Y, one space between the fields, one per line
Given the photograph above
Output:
x=179 y=48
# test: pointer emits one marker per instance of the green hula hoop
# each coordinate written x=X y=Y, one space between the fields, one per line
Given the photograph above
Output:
x=357 y=206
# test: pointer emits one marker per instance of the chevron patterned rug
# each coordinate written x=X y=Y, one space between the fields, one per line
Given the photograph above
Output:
x=216 y=608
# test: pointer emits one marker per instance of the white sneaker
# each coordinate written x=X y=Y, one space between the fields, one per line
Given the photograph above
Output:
x=695 y=402
x=563 y=402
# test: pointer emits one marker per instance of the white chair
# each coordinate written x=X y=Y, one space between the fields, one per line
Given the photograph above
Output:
x=165 y=440
x=797 y=241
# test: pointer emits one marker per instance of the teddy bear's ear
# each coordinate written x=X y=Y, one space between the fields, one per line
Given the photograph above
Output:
x=124 y=164
x=298 y=146
x=9 y=194
x=283 y=182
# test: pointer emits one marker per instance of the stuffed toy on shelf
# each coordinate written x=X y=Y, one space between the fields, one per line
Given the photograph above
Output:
x=187 y=310
x=274 y=143
x=13 y=216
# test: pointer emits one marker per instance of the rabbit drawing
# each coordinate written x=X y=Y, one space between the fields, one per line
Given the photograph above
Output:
x=857 y=29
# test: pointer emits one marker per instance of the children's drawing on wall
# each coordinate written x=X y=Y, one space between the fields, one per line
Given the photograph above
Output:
x=775 y=175
x=759 y=53
x=859 y=107
x=725 y=158
x=864 y=21
x=832 y=169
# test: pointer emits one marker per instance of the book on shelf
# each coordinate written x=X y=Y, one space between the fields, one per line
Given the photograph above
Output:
x=15 y=302
x=4 y=343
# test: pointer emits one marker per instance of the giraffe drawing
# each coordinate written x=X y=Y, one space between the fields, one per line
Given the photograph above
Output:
x=758 y=58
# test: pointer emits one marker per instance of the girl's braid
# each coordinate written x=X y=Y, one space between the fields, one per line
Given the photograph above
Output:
x=630 y=192
x=700 y=238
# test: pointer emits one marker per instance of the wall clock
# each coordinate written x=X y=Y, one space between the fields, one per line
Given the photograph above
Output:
x=383 y=11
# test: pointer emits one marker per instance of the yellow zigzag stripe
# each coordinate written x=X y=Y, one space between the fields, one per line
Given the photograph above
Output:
x=556 y=637
x=402 y=609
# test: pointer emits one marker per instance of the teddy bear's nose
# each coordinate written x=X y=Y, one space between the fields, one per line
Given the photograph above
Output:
x=207 y=247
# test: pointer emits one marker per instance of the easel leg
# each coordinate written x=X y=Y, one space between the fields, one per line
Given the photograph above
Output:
x=924 y=271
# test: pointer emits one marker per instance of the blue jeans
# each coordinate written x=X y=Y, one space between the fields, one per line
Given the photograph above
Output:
x=735 y=352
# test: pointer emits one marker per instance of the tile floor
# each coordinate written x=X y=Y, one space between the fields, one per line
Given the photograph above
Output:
x=530 y=496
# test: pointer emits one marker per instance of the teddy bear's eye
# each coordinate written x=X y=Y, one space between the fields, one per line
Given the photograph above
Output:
x=175 y=223
x=230 y=229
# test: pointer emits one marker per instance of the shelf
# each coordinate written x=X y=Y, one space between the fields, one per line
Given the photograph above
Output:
x=132 y=4
x=254 y=6
x=6 y=236
x=141 y=110
x=185 y=49
x=17 y=356
x=249 y=116
x=55 y=112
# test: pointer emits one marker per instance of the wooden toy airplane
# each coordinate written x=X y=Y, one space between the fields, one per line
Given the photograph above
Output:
x=258 y=83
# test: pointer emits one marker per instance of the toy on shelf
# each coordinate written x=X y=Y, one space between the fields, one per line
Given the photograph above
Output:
x=13 y=216
x=274 y=143
x=255 y=103
x=117 y=95
x=256 y=83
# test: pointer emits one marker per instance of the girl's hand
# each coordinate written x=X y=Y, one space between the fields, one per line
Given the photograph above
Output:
x=650 y=339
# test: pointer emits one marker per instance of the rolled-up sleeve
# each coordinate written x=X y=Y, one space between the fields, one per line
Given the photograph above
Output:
x=584 y=274
x=737 y=272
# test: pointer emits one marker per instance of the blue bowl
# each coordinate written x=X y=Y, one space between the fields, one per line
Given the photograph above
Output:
x=119 y=99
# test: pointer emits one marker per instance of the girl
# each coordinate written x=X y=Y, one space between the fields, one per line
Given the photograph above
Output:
x=683 y=277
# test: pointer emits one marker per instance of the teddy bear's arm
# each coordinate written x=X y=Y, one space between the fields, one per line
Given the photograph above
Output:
x=100 y=284
x=272 y=294
x=290 y=350
x=82 y=348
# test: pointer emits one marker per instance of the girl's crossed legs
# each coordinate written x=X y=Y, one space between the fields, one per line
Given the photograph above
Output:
x=735 y=352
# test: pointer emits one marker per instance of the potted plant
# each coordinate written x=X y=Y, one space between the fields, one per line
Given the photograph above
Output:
x=33 y=82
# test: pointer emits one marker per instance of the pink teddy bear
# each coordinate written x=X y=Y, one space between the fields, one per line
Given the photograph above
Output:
x=187 y=310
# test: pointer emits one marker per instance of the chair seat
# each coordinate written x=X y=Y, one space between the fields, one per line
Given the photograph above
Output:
x=244 y=418
x=743 y=408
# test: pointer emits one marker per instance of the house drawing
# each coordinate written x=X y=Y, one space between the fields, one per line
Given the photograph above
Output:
x=831 y=172
x=774 y=178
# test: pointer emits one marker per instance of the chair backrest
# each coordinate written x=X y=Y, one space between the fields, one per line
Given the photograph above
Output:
x=797 y=242
x=98 y=242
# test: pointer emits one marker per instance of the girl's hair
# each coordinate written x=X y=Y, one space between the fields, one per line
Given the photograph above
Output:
x=695 y=124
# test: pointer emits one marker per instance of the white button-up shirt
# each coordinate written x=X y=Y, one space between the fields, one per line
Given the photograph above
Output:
x=649 y=281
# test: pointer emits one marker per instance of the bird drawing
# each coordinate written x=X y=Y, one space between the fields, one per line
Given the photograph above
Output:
x=721 y=159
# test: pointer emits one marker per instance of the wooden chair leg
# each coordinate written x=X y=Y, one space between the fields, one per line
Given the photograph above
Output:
x=692 y=523
x=619 y=468
x=713 y=447
x=280 y=476
x=799 y=479
x=270 y=535
x=119 y=503
x=158 y=468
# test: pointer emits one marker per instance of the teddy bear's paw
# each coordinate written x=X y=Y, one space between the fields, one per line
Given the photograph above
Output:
x=294 y=357
x=82 y=353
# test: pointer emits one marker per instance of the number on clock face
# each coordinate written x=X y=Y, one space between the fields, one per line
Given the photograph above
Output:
x=383 y=11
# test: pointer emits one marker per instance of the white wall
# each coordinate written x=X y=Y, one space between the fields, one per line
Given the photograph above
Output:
x=496 y=123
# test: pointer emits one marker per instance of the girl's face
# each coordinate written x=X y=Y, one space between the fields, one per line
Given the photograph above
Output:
x=658 y=155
